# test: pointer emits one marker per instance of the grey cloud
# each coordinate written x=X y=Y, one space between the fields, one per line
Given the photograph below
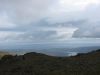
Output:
x=87 y=22
x=25 y=11
x=37 y=36
x=89 y=31
x=33 y=20
x=90 y=28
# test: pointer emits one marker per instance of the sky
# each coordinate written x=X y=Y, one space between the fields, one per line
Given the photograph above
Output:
x=39 y=21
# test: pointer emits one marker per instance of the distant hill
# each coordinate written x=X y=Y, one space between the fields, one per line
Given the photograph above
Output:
x=40 y=64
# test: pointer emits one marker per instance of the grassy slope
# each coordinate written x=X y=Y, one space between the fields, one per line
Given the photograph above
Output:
x=3 y=54
x=40 y=64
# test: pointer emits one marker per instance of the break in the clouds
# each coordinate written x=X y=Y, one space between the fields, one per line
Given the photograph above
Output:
x=49 y=20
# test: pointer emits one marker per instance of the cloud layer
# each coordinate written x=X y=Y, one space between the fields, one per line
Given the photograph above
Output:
x=49 y=20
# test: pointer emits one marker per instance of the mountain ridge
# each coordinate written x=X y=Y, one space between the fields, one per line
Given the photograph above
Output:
x=40 y=64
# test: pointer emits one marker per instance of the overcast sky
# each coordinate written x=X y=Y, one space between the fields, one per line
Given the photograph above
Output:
x=49 y=20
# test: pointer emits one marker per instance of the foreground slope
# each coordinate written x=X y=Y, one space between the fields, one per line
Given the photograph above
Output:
x=40 y=64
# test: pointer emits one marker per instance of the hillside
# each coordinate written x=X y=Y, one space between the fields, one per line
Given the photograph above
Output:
x=41 y=64
x=3 y=54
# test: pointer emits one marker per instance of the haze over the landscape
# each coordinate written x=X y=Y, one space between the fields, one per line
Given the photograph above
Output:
x=53 y=22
